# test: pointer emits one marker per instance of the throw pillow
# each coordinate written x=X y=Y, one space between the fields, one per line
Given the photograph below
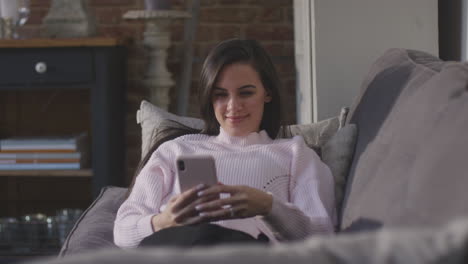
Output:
x=94 y=229
x=315 y=134
x=338 y=154
x=150 y=117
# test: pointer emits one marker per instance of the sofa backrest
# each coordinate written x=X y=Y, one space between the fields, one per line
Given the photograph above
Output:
x=411 y=160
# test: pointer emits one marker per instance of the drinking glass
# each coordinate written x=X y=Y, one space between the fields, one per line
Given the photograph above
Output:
x=23 y=16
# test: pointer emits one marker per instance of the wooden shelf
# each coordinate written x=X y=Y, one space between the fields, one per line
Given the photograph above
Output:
x=47 y=173
x=62 y=42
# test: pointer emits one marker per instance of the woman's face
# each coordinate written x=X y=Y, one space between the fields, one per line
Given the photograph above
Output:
x=238 y=99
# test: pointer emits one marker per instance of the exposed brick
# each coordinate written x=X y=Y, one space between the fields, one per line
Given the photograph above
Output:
x=209 y=3
x=128 y=3
x=201 y=51
x=109 y=15
x=290 y=86
x=36 y=16
x=280 y=49
x=120 y=31
x=29 y=32
x=40 y=3
x=229 y=31
x=286 y=68
x=228 y=15
x=177 y=31
x=205 y=33
x=174 y=67
x=196 y=70
x=270 y=14
x=270 y=3
x=289 y=14
x=270 y=32
x=136 y=51
x=179 y=4
x=233 y=2
x=136 y=70
x=274 y=49
x=175 y=53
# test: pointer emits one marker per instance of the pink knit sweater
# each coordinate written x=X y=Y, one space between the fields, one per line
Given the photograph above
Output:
x=302 y=186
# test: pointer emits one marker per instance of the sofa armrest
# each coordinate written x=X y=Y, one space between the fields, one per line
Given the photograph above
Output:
x=446 y=244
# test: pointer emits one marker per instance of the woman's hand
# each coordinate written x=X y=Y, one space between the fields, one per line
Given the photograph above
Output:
x=243 y=202
x=180 y=210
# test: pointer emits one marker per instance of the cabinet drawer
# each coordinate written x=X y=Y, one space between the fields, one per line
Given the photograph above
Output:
x=46 y=66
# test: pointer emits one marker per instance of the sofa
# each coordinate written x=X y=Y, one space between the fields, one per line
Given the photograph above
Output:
x=405 y=197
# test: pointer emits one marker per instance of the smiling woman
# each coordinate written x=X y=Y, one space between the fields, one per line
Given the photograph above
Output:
x=270 y=189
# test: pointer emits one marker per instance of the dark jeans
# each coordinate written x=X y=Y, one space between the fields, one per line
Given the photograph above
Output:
x=200 y=235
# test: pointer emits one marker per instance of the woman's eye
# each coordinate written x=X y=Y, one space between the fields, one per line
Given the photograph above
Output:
x=219 y=95
x=246 y=93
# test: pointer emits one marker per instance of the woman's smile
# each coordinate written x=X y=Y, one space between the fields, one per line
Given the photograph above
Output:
x=236 y=119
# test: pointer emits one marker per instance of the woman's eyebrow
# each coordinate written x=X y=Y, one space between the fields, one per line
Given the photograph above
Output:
x=219 y=88
x=247 y=86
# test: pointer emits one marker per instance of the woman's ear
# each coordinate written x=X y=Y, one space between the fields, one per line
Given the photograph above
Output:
x=268 y=98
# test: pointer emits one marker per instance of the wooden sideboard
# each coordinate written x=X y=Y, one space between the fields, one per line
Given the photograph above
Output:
x=81 y=90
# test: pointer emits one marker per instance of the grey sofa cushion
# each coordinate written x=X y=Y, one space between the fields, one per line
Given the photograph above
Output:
x=410 y=166
x=94 y=229
x=446 y=245
x=337 y=153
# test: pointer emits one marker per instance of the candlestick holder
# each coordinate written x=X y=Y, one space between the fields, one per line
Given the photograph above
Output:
x=157 y=38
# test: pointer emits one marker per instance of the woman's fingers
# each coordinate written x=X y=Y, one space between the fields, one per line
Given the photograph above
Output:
x=225 y=213
x=218 y=189
x=189 y=210
x=187 y=197
x=219 y=203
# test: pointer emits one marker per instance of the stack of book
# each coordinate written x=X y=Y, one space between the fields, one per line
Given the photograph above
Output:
x=44 y=153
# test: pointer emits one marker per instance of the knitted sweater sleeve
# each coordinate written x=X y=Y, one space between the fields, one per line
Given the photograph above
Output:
x=133 y=220
x=311 y=208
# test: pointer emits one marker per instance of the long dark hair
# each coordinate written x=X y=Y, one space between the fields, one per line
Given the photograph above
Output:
x=225 y=53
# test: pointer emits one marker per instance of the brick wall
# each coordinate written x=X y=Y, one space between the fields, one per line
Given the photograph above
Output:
x=268 y=21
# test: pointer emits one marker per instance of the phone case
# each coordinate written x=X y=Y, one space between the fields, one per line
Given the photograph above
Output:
x=195 y=169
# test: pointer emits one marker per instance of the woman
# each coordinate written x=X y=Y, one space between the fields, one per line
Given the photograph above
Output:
x=272 y=189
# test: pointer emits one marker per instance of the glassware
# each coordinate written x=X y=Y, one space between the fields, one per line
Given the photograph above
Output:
x=23 y=12
x=23 y=16
x=14 y=14
x=65 y=220
x=9 y=230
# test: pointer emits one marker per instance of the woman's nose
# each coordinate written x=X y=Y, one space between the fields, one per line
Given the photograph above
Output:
x=234 y=104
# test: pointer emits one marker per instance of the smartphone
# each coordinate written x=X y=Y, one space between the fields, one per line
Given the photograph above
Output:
x=195 y=169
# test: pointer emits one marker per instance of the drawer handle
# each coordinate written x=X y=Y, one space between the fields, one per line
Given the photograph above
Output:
x=41 y=67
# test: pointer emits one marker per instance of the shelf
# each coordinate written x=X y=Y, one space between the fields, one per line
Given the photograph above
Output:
x=47 y=173
x=62 y=42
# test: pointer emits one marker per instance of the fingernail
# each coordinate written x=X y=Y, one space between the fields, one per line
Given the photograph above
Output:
x=200 y=193
x=200 y=186
x=203 y=214
x=198 y=207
